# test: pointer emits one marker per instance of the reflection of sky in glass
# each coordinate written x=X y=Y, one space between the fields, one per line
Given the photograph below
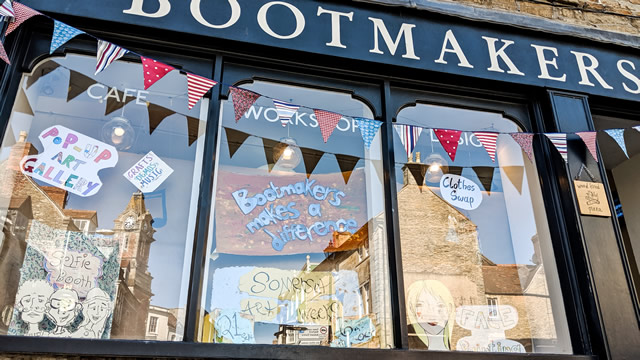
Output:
x=169 y=141
x=504 y=218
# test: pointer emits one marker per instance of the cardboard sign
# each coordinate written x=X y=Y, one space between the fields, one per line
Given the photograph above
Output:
x=592 y=198
x=148 y=173
x=70 y=161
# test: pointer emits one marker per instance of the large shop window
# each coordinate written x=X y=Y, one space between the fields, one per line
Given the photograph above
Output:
x=479 y=269
x=297 y=248
x=98 y=186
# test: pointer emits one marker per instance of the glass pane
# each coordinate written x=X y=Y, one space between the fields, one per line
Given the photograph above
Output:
x=622 y=172
x=479 y=268
x=297 y=246
x=99 y=183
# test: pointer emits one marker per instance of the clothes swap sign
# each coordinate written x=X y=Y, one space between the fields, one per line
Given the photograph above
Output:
x=384 y=35
x=70 y=161
x=286 y=214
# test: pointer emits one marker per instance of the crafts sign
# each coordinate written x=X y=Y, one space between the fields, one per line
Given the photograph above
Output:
x=70 y=161
x=148 y=173
x=460 y=192
x=267 y=215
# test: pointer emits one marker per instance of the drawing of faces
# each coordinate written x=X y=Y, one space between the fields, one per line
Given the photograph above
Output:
x=32 y=299
x=63 y=307
x=97 y=306
x=431 y=313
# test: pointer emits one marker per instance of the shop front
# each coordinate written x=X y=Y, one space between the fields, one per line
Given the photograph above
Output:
x=286 y=179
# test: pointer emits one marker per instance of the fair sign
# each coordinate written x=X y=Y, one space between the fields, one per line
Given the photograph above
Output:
x=70 y=161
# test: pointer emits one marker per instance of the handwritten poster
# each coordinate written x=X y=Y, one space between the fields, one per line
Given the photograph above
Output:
x=278 y=296
x=233 y=327
x=70 y=161
x=67 y=285
x=487 y=325
x=460 y=192
x=351 y=332
x=148 y=173
x=592 y=198
x=286 y=214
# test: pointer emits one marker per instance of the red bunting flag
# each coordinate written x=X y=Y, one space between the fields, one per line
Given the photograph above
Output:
x=525 y=141
x=3 y=54
x=449 y=140
x=328 y=122
x=22 y=14
x=153 y=71
x=589 y=138
x=197 y=86
x=488 y=140
x=242 y=100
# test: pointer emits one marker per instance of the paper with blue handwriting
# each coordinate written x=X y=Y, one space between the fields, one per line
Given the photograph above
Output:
x=148 y=173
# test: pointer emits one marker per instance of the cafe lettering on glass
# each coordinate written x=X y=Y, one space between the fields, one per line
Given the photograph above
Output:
x=380 y=36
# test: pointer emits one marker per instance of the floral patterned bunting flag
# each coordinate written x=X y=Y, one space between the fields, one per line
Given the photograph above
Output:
x=488 y=140
x=589 y=138
x=61 y=34
x=559 y=140
x=3 y=54
x=328 y=122
x=242 y=100
x=153 y=71
x=449 y=140
x=618 y=136
x=197 y=86
x=22 y=14
x=368 y=128
x=408 y=136
x=525 y=141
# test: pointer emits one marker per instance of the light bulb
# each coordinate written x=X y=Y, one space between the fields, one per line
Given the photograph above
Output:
x=287 y=153
x=118 y=131
x=434 y=167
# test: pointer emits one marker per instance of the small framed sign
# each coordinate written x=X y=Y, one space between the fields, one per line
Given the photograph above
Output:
x=592 y=198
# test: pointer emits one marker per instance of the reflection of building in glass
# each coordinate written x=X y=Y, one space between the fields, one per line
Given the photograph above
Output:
x=440 y=243
x=25 y=200
x=161 y=324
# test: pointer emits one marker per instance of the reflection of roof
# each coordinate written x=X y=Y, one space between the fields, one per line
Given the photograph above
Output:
x=353 y=242
x=80 y=214
x=504 y=279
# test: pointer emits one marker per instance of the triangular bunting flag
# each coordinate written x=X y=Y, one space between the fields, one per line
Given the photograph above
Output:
x=6 y=9
x=559 y=140
x=61 y=34
x=22 y=14
x=449 y=140
x=418 y=172
x=153 y=71
x=22 y=104
x=193 y=125
x=526 y=143
x=108 y=53
x=618 y=136
x=285 y=111
x=488 y=140
x=515 y=175
x=409 y=136
x=311 y=157
x=637 y=127
x=235 y=139
x=116 y=101
x=3 y=54
x=156 y=115
x=328 y=122
x=347 y=163
x=78 y=83
x=197 y=86
x=242 y=100
x=589 y=138
x=455 y=170
x=43 y=70
x=368 y=128
x=269 y=148
x=485 y=175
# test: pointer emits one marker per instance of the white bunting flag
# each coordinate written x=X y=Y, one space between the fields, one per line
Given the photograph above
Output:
x=108 y=53
x=6 y=9
x=559 y=140
x=285 y=111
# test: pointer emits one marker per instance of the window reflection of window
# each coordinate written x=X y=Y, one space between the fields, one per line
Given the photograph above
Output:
x=492 y=302
x=153 y=324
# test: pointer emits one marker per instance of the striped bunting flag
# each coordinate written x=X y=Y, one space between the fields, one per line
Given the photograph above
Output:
x=6 y=9
x=197 y=86
x=22 y=14
x=61 y=34
x=559 y=140
x=285 y=111
x=589 y=139
x=488 y=140
x=408 y=136
x=108 y=53
x=3 y=54
x=328 y=121
x=618 y=136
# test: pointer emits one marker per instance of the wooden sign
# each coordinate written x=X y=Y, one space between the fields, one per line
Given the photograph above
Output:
x=592 y=198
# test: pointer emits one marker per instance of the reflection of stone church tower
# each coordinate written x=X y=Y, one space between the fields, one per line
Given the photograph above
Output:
x=133 y=230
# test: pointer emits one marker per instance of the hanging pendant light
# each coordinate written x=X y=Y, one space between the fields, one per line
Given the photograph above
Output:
x=119 y=133
x=287 y=154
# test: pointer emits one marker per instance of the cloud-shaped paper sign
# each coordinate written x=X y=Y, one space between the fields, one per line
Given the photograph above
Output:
x=70 y=161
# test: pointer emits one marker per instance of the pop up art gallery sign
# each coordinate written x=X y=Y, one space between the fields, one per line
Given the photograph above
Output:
x=286 y=214
x=70 y=161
